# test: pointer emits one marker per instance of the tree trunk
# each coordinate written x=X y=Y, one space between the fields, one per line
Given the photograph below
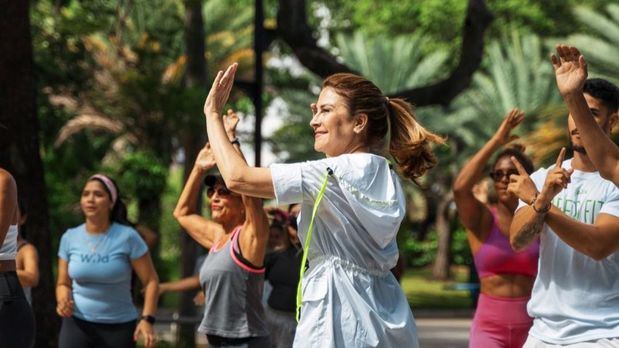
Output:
x=192 y=143
x=440 y=269
x=19 y=153
x=294 y=29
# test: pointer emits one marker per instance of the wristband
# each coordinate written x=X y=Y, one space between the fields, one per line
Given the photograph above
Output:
x=235 y=141
x=544 y=210
x=149 y=319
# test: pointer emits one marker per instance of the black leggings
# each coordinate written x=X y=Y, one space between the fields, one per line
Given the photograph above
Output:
x=16 y=320
x=77 y=333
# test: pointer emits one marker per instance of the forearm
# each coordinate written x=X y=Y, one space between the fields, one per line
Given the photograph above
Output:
x=585 y=238
x=186 y=284
x=230 y=162
x=188 y=201
x=472 y=171
x=151 y=296
x=602 y=151
x=525 y=227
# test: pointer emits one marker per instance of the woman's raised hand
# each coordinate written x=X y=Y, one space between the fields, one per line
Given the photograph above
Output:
x=231 y=120
x=205 y=159
x=503 y=135
x=220 y=91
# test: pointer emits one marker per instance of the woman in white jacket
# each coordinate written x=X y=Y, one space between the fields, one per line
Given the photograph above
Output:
x=352 y=199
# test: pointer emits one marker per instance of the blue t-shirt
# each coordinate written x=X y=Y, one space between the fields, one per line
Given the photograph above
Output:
x=100 y=269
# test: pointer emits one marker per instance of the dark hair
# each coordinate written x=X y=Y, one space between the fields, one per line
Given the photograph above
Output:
x=520 y=156
x=603 y=90
x=23 y=210
x=21 y=204
x=119 y=210
x=409 y=143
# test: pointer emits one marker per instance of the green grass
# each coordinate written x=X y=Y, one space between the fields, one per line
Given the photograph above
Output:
x=423 y=292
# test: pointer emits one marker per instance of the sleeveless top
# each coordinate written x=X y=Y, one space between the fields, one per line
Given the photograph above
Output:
x=233 y=294
x=8 y=250
x=496 y=255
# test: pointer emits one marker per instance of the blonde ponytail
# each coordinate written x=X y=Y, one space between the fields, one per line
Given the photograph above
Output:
x=410 y=141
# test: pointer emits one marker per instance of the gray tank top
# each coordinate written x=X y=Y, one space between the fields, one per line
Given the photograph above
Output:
x=233 y=294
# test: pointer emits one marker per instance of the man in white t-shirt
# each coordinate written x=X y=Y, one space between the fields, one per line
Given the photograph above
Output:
x=575 y=213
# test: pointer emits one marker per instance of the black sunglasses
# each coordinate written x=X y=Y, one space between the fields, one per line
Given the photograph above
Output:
x=221 y=192
x=497 y=175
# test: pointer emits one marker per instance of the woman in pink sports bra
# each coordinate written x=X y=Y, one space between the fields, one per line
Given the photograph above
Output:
x=506 y=276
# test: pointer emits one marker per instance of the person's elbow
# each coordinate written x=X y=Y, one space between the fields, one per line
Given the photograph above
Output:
x=459 y=187
x=235 y=180
x=29 y=279
x=600 y=252
x=178 y=214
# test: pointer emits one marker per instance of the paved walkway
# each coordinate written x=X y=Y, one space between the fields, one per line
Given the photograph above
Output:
x=433 y=332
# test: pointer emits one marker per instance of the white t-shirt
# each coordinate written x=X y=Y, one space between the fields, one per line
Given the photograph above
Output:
x=576 y=298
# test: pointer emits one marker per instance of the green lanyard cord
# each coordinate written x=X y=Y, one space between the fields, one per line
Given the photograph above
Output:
x=308 y=239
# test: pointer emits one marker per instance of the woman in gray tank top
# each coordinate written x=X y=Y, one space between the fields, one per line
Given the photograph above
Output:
x=232 y=276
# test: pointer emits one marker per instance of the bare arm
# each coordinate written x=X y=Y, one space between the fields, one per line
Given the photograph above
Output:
x=64 y=295
x=29 y=258
x=8 y=203
x=571 y=73
x=239 y=177
x=185 y=284
x=255 y=233
x=202 y=230
x=144 y=268
x=525 y=228
x=602 y=151
x=473 y=214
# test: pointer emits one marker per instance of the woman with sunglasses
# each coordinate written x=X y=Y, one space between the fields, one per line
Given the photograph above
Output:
x=95 y=264
x=506 y=276
x=236 y=235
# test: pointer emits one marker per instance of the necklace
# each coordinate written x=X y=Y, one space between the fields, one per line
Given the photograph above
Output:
x=93 y=247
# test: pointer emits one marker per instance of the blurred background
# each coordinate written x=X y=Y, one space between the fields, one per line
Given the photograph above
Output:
x=118 y=86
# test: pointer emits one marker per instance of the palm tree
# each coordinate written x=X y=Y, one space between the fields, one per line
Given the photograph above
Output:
x=393 y=64
x=601 y=47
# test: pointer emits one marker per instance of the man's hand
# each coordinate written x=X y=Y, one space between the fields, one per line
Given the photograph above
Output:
x=521 y=185
x=570 y=69
x=556 y=180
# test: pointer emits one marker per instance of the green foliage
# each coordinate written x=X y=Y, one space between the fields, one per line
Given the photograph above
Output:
x=142 y=175
x=392 y=63
x=419 y=253
x=460 y=249
x=600 y=48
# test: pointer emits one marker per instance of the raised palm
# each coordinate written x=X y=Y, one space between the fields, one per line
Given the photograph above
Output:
x=205 y=159
x=220 y=91
x=570 y=69
x=231 y=120
x=504 y=134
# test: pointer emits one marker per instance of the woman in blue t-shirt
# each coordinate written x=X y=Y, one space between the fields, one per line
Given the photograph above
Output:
x=95 y=264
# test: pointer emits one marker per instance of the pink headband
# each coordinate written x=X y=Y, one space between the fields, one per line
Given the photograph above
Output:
x=108 y=184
